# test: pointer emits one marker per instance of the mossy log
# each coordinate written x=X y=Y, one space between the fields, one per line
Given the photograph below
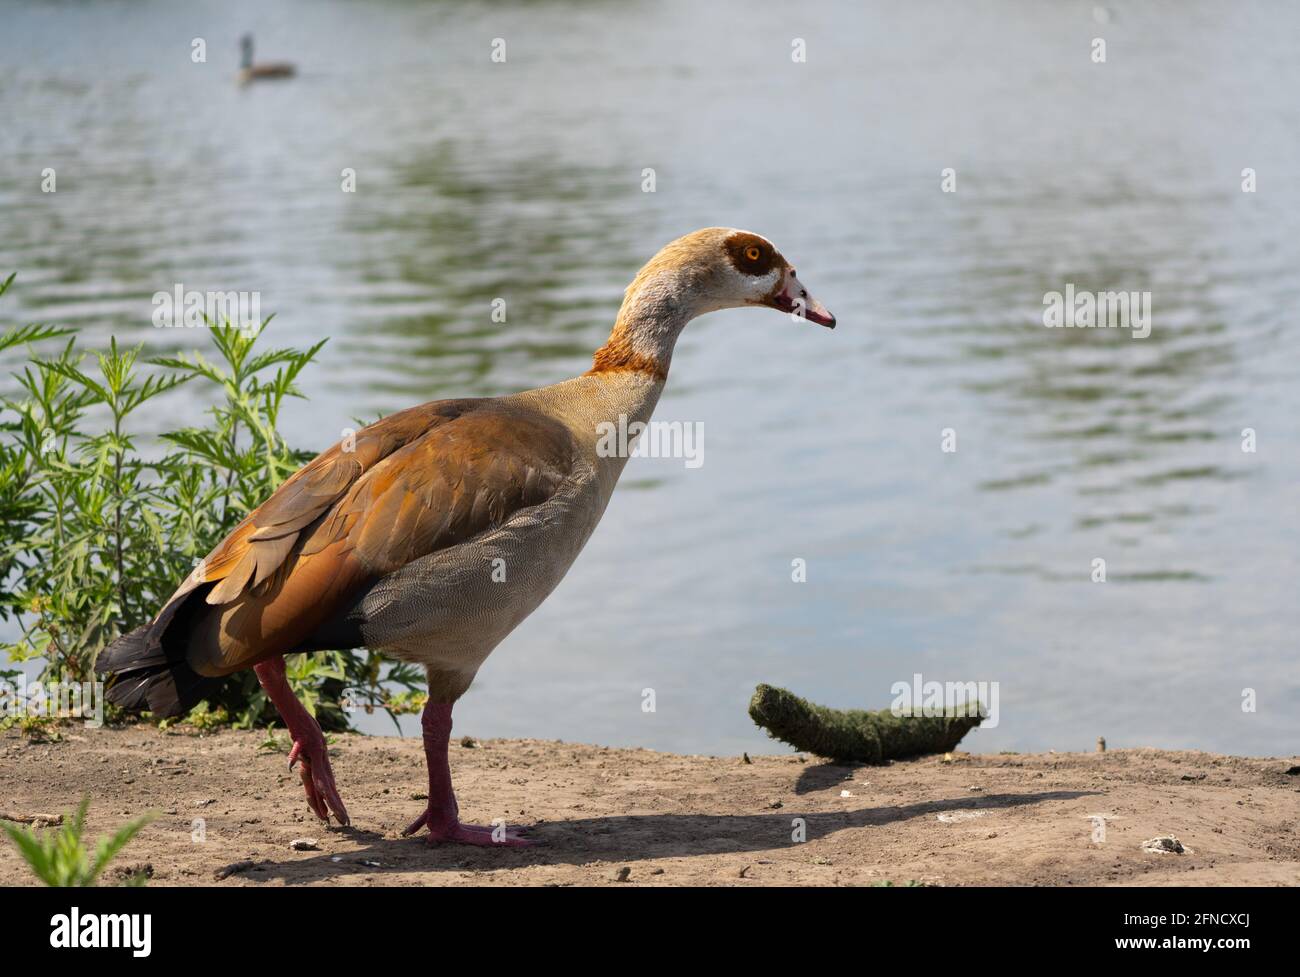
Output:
x=857 y=735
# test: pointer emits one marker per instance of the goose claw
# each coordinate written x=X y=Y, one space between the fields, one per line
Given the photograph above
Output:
x=308 y=748
x=318 y=780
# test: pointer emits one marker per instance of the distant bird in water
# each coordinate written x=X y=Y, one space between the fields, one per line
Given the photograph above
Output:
x=248 y=71
x=438 y=529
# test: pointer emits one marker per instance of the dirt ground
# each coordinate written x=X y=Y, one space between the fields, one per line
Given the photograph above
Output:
x=637 y=817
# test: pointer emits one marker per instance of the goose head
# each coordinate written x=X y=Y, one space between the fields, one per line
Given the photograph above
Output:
x=756 y=273
x=723 y=268
x=704 y=271
x=246 y=51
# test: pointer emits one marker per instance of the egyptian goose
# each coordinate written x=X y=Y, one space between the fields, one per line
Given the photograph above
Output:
x=248 y=71
x=390 y=543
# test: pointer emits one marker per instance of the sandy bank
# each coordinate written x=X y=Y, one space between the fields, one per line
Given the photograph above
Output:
x=669 y=819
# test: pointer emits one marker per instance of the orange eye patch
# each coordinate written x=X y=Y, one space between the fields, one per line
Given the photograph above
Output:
x=751 y=255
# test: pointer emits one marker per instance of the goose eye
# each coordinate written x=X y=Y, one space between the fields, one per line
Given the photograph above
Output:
x=752 y=253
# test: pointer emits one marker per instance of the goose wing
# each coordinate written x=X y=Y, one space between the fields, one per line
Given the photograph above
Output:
x=414 y=483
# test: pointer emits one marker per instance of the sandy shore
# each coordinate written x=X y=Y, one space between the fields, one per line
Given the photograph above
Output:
x=668 y=819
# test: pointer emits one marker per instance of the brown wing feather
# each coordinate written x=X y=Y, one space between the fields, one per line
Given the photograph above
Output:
x=415 y=484
x=257 y=544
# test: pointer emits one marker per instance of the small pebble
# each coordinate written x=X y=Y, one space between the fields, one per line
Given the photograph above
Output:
x=1164 y=845
x=304 y=844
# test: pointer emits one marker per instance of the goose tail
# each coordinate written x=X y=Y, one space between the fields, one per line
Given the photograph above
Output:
x=142 y=676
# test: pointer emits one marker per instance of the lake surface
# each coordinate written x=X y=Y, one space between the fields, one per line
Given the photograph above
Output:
x=523 y=180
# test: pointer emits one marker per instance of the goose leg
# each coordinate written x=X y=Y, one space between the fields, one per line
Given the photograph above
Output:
x=442 y=815
x=308 y=742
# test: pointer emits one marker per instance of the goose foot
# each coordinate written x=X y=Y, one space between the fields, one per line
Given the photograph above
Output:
x=467 y=834
x=309 y=752
x=313 y=760
x=442 y=816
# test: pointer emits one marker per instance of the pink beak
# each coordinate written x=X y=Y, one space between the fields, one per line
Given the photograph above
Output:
x=795 y=299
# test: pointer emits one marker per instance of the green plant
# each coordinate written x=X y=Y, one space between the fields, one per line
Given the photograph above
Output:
x=98 y=523
x=36 y=729
x=273 y=744
x=58 y=856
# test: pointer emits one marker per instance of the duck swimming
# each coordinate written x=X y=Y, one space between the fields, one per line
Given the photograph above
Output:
x=248 y=71
x=389 y=540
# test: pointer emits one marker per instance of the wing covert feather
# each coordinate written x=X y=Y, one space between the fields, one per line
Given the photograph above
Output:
x=417 y=482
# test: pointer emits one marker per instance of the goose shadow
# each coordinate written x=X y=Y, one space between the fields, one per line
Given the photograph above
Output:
x=620 y=838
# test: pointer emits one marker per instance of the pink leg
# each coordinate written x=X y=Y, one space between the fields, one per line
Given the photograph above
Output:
x=442 y=815
x=308 y=743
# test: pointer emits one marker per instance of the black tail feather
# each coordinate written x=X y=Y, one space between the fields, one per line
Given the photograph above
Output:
x=143 y=676
x=133 y=650
x=164 y=690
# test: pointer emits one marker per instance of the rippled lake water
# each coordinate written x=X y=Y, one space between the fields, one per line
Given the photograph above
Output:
x=523 y=180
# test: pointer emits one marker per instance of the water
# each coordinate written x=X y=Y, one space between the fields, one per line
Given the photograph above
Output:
x=523 y=181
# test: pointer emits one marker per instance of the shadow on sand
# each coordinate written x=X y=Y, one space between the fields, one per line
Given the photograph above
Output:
x=629 y=838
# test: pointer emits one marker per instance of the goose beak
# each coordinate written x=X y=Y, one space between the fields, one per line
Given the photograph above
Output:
x=793 y=298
